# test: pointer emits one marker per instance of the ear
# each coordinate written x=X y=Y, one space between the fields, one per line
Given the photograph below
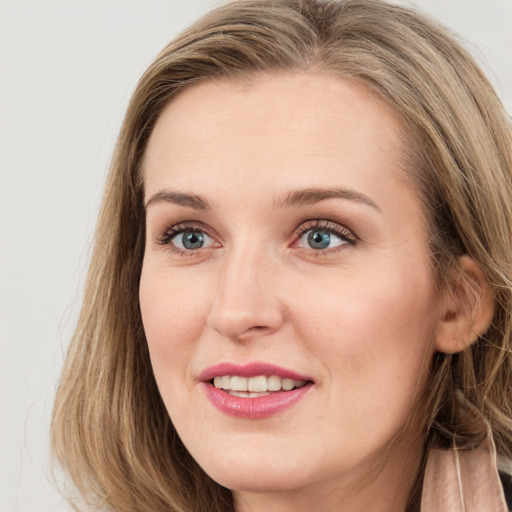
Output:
x=467 y=308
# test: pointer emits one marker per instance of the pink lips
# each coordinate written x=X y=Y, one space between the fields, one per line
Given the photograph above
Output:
x=257 y=407
x=249 y=370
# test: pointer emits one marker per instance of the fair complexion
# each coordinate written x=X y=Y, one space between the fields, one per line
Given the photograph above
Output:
x=282 y=229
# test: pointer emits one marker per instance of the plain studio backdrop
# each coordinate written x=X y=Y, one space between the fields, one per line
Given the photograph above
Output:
x=67 y=70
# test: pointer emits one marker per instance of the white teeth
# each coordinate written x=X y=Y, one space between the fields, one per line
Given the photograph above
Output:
x=247 y=394
x=238 y=384
x=274 y=383
x=254 y=385
x=288 y=384
x=257 y=384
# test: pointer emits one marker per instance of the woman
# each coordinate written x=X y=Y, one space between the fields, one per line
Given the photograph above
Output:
x=300 y=291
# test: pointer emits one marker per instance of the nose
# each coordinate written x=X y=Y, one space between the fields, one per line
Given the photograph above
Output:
x=245 y=304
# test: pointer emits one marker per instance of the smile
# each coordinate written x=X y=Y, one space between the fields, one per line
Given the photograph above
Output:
x=253 y=387
x=253 y=391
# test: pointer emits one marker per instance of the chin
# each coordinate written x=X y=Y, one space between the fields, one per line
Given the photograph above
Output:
x=260 y=480
x=259 y=474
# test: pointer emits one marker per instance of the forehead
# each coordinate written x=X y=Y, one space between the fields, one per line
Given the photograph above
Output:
x=295 y=126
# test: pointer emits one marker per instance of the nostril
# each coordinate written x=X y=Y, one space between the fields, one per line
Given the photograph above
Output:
x=257 y=329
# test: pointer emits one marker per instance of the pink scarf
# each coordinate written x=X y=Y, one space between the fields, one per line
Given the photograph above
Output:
x=463 y=481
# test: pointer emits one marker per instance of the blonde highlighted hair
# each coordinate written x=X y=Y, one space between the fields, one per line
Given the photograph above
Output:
x=111 y=431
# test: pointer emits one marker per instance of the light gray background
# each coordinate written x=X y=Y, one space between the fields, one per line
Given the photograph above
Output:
x=67 y=69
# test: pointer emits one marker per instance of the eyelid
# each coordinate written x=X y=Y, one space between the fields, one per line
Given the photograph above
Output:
x=335 y=228
x=166 y=237
x=171 y=231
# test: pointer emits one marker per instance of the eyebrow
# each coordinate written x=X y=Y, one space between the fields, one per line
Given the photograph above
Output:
x=296 y=198
x=180 y=198
x=315 y=195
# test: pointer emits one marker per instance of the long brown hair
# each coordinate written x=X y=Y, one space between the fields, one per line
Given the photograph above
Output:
x=111 y=431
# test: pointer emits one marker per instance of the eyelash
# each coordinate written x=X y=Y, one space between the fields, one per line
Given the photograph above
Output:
x=171 y=232
x=342 y=232
x=345 y=234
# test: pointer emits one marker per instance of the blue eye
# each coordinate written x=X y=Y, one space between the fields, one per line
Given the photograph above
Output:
x=318 y=239
x=191 y=240
x=324 y=235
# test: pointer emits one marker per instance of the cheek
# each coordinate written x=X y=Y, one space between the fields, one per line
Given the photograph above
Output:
x=374 y=333
x=376 y=310
x=173 y=314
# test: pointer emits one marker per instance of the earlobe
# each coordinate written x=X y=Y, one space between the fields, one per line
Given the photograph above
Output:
x=467 y=308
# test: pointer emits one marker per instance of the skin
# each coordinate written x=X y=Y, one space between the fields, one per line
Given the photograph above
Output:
x=362 y=319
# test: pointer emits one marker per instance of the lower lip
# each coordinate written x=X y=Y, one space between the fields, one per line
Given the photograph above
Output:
x=257 y=407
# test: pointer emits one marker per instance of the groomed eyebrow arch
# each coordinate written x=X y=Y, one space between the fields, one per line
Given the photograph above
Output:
x=180 y=198
x=314 y=195
x=295 y=198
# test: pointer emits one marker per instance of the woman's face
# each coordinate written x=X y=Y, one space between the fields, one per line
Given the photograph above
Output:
x=286 y=249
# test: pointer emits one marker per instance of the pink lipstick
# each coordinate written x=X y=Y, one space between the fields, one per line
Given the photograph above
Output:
x=255 y=390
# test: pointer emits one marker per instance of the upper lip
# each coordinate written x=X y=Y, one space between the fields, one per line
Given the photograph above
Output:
x=250 y=370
